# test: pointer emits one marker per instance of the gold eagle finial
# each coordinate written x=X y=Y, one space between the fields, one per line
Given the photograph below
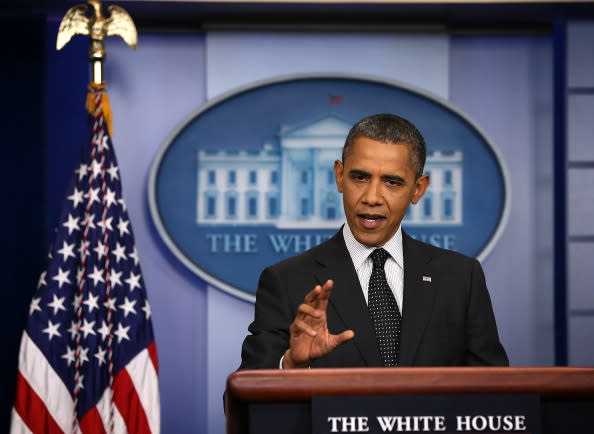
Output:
x=97 y=26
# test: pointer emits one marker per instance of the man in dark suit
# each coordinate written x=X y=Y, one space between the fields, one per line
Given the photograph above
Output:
x=438 y=306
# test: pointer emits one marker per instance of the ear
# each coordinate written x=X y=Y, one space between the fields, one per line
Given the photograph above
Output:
x=421 y=185
x=339 y=174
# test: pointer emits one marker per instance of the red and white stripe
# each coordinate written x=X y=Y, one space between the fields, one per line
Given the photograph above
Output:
x=43 y=404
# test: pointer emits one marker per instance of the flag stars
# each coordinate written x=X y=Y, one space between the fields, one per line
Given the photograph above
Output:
x=114 y=278
x=76 y=303
x=71 y=224
x=79 y=383
x=101 y=250
x=83 y=250
x=91 y=302
x=123 y=227
x=69 y=356
x=82 y=355
x=119 y=252
x=89 y=221
x=62 y=277
x=74 y=329
x=106 y=224
x=100 y=356
x=95 y=169
x=82 y=171
x=110 y=198
x=97 y=275
x=34 y=306
x=104 y=330
x=52 y=330
x=66 y=251
x=110 y=303
x=134 y=255
x=87 y=328
x=101 y=141
x=133 y=281
x=113 y=172
x=93 y=195
x=57 y=304
x=42 y=281
x=128 y=307
x=76 y=197
x=147 y=309
x=80 y=275
x=122 y=333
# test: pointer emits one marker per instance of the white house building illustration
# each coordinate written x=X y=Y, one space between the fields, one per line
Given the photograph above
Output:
x=289 y=182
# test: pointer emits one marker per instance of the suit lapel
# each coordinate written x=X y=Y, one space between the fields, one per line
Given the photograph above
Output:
x=347 y=296
x=419 y=297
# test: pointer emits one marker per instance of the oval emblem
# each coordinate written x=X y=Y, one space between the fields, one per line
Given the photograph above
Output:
x=246 y=180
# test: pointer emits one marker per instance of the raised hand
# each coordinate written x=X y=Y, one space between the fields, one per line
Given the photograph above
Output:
x=310 y=338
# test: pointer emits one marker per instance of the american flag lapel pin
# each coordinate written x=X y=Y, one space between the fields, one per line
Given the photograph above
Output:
x=426 y=278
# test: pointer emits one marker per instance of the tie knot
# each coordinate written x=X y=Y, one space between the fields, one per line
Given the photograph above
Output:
x=379 y=257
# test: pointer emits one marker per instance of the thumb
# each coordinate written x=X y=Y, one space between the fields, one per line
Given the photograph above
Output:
x=343 y=337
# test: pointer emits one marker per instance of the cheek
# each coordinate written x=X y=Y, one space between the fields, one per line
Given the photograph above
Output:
x=349 y=199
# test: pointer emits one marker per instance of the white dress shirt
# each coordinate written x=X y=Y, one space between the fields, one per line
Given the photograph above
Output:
x=394 y=267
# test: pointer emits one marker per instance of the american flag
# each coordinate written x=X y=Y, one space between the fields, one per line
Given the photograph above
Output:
x=88 y=360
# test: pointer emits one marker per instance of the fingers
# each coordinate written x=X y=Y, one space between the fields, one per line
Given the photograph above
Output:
x=306 y=310
x=318 y=297
x=325 y=295
x=300 y=326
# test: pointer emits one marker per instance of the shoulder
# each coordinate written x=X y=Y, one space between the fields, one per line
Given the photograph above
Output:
x=420 y=250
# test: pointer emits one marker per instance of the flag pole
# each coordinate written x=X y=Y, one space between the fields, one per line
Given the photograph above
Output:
x=97 y=27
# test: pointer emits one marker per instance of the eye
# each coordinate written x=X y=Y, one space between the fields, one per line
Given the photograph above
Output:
x=358 y=177
x=394 y=182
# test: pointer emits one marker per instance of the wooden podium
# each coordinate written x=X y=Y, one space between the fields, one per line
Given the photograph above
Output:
x=281 y=398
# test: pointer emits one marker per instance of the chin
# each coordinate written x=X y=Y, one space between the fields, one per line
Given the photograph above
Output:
x=368 y=241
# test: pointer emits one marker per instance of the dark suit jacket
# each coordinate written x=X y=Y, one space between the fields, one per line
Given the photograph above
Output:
x=447 y=320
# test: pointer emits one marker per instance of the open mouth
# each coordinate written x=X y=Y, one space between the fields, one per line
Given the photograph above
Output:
x=370 y=221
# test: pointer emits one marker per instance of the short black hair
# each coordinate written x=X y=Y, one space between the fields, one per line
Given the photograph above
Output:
x=389 y=128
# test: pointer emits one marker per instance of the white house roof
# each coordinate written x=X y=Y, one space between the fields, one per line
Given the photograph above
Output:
x=328 y=126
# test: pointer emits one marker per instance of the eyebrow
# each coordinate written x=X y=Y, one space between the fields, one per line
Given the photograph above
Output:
x=358 y=172
x=394 y=178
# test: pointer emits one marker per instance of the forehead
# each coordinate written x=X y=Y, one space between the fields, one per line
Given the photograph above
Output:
x=369 y=152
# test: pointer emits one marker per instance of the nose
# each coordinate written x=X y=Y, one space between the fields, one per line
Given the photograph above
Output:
x=372 y=196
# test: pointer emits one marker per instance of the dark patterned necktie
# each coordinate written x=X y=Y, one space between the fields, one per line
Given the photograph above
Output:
x=384 y=310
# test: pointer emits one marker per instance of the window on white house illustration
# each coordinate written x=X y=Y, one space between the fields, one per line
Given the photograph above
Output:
x=232 y=177
x=252 y=206
x=232 y=205
x=304 y=207
x=212 y=177
x=211 y=204
x=427 y=206
x=448 y=209
x=272 y=206
x=304 y=177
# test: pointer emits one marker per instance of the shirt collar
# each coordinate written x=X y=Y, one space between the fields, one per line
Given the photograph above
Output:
x=360 y=252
